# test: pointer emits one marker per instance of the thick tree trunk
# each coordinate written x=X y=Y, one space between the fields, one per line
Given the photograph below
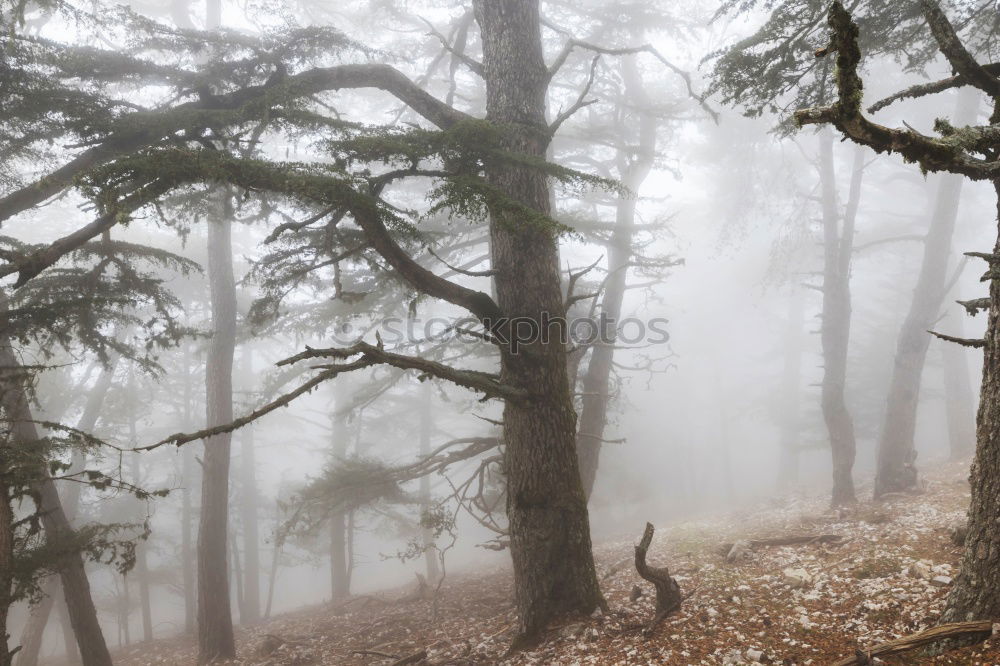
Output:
x=635 y=163
x=835 y=331
x=431 y=568
x=897 y=452
x=550 y=544
x=958 y=396
x=215 y=622
x=791 y=391
x=250 y=610
x=76 y=588
x=976 y=595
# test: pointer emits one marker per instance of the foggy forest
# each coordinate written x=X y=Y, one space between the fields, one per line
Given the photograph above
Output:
x=454 y=332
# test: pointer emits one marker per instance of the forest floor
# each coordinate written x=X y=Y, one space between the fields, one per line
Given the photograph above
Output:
x=805 y=604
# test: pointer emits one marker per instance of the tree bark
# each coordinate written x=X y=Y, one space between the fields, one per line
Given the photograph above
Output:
x=550 y=543
x=835 y=331
x=897 y=453
x=76 y=588
x=215 y=622
x=959 y=400
x=250 y=610
x=597 y=380
x=975 y=594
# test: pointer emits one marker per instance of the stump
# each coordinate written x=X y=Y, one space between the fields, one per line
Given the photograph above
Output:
x=668 y=592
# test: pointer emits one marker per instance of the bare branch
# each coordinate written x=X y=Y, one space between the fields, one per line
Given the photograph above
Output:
x=977 y=343
x=471 y=63
x=958 y=56
x=581 y=101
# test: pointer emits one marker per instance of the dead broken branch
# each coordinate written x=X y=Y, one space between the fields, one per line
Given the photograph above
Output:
x=668 y=592
x=733 y=551
x=976 y=631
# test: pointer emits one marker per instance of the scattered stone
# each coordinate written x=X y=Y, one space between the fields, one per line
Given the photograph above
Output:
x=921 y=570
x=635 y=594
x=797 y=578
x=755 y=655
x=739 y=550
x=941 y=581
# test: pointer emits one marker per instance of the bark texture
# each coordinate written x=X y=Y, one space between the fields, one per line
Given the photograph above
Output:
x=550 y=543
x=215 y=622
x=835 y=332
x=897 y=453
x=975 y=594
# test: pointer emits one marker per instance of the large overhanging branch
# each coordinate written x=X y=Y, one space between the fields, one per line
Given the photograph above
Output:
x=487 y=384
x=367 y=356
x=932 y=154
x=958 y=56
x=146 y=128
x=29 y=265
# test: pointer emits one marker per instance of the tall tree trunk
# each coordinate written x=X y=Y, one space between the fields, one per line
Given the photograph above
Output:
x=897 y=452
x=791 y=390
x=76 y=588
x=250 y=611
x=187 y=512
x=38 y=619
x=215 y=622
x=340 y=584
x=550 y=544
x=958 y=397
x=635 y=164
x=141 y=565
x=976 y=594
x=6 y=555
x=431 y=565
x=835 y=331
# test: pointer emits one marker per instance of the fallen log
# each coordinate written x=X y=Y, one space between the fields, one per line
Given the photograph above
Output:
x=977 y=631
x=834 y=539
x=668 y=592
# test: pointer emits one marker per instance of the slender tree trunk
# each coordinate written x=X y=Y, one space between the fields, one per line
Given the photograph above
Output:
x=6 y=555
x=250 y=611
x=897 y=452
x=597 y=381
x=431 y=568
x=38 y=619
x=187 y=513
x=976 y=594
x=836 y=326
x=791 y=391
x=550 y=544
x=76 y=588
x=340 y=585
x=958 y=397
x=215 y=622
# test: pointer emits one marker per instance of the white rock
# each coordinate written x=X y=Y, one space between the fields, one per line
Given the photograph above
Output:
x=941 y=581
x=797 y=577
x=739 y=550
x=755 y=655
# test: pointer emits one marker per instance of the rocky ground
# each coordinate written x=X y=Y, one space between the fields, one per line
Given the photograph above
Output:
x=811 y=603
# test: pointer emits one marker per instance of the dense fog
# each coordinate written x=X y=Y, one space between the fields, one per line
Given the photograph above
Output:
x=194 y=191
